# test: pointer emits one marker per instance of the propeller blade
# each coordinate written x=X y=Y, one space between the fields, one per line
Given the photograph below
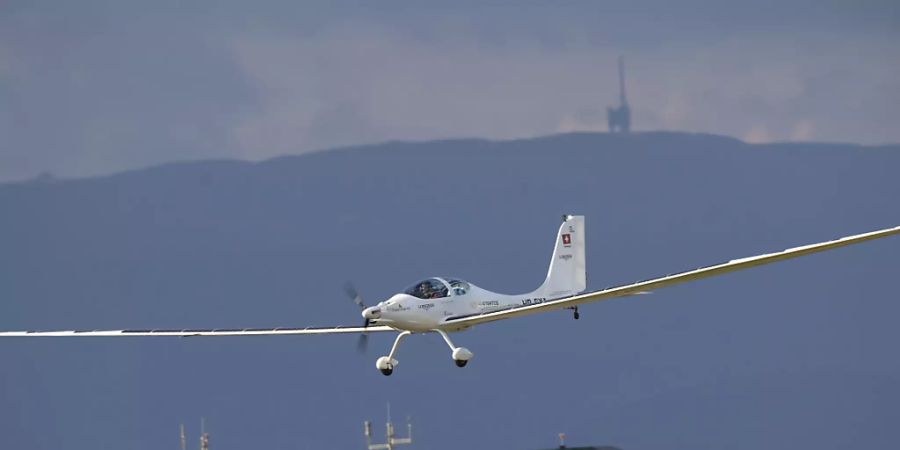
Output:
x=354 y=295
x=363 y=343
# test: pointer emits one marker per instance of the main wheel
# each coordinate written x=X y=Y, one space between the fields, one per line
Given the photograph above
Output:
x=461 y=362
x=387 y=372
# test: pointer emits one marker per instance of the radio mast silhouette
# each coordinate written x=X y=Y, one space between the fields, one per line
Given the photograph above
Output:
x=619 y=119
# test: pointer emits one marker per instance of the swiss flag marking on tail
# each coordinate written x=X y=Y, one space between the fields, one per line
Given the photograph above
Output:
x=567 y=239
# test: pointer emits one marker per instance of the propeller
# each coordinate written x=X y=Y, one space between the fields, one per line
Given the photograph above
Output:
x=363 y=343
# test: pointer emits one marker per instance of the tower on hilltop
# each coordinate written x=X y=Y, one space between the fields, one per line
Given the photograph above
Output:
x=619 y=118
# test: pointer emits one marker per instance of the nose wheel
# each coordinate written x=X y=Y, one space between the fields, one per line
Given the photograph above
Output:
x=386 y=364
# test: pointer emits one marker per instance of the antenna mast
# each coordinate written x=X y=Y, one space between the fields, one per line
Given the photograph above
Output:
x=623 y=102
x=619 y=118
x=391 y=438
x=204 y=437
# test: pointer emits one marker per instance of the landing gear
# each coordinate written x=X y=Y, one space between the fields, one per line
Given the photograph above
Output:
x=460 y=355
x=575 y=314
x=386 y=364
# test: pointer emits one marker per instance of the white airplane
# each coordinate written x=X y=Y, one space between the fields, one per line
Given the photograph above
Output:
x=446 y=304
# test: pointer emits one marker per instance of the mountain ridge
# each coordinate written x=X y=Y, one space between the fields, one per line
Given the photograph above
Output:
x=606 y=139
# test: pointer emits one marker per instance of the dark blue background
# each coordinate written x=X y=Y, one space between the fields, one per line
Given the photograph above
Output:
x=797 y=354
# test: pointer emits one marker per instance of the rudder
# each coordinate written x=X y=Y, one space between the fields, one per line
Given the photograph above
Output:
x=566 y=275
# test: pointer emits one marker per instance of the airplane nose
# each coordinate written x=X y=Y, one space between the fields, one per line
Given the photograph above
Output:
x=371 y=313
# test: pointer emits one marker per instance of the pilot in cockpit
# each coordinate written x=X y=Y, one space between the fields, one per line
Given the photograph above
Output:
x=425 y=290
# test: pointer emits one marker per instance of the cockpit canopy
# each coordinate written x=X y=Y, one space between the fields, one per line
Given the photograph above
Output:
x=428 y=289
x=433 y=288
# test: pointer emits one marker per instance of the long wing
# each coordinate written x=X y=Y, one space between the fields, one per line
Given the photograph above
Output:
x=186 y=333
x=668 y=280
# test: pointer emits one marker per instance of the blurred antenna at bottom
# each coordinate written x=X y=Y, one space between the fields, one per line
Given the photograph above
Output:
x=390 y=438
x=562 y=445
x=204 y=436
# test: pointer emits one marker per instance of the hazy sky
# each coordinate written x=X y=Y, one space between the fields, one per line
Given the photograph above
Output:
x=93 y=87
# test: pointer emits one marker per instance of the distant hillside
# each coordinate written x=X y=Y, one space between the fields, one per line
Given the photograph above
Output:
x=240 y=244
x=602 y=141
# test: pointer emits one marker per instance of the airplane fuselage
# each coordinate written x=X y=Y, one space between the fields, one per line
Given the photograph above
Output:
x=406 y=311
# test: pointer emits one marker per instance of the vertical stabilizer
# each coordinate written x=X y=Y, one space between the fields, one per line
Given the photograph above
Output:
x=566 y=275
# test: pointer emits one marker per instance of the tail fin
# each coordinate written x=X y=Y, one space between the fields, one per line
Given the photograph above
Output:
x=566 y=275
